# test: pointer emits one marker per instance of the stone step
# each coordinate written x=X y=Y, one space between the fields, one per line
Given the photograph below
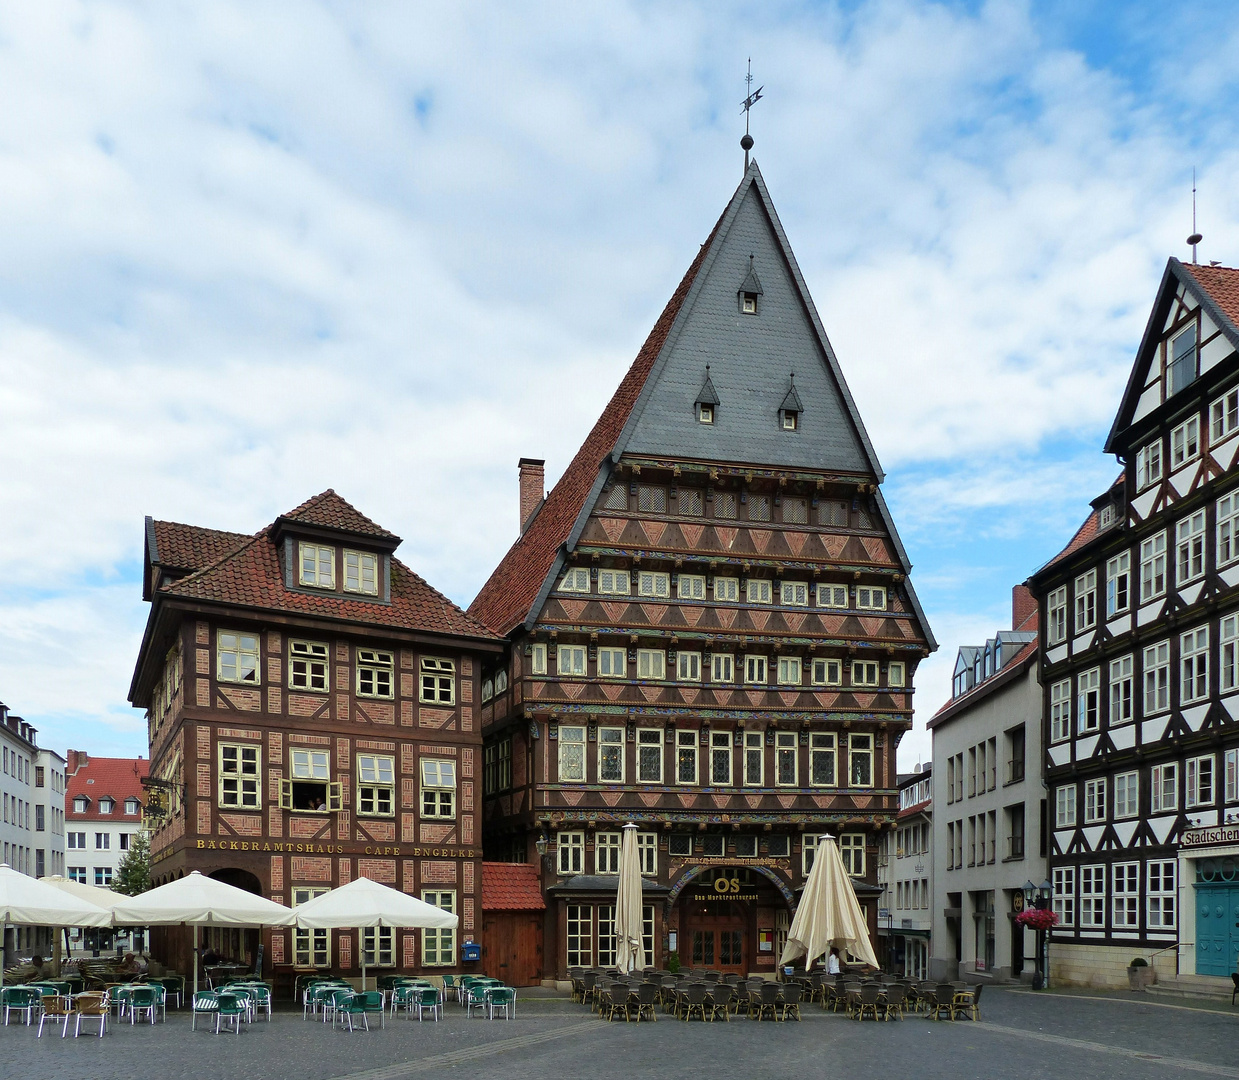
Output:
x=1192 y=987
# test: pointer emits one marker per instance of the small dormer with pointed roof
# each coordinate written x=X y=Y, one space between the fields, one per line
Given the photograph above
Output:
x=750 y=290
x=707 y=403
x=790 y=409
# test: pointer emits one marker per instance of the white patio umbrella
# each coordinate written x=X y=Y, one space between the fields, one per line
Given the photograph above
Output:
x=629 y=940
x=197 y=900
x=829 y=913
x=29 y=902
x=362 y=904
x=96 y=894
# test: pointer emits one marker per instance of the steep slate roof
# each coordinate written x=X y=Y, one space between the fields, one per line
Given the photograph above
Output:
x=1215 y=288
x=652 y=412
x=250 y=576
x=511 y=887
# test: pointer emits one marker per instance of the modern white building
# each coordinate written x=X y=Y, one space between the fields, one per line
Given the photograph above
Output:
x=905 y=873
x=989 y=805
x=48 y=797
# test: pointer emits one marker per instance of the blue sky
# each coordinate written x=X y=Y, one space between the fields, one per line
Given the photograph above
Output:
x=254 y=250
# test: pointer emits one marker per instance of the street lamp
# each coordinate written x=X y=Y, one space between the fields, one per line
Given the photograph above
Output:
x=1038 y=897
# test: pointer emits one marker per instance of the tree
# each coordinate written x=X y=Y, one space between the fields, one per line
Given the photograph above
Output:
x=133 y=875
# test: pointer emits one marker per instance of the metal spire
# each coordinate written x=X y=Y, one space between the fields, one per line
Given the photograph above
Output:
x=752 y=98
x=1195 y=238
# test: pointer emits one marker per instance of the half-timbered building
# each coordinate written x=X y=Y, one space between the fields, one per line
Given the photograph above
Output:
x=713 y=631
x=313 y=717
x=1140 y=625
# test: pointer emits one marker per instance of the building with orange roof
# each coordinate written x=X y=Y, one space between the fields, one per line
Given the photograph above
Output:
x=1140 y=665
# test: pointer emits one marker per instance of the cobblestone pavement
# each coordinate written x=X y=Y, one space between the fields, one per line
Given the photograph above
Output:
x=1023 y=1036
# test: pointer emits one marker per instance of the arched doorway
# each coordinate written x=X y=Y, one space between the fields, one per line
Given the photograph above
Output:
x=234 y=944
x=728 y=917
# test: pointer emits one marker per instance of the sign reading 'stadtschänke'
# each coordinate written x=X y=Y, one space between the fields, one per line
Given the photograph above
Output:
x=1226 y=834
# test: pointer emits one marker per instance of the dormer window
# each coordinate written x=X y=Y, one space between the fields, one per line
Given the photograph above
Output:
x=361 y=572
x=707 y=400
x=790 y=408
x=750 y=290
x=80 y=803
x=106 y=805
x=705 y=414
x=131 y=807
x=790 y=419
x=748 y=303
x=318 y=566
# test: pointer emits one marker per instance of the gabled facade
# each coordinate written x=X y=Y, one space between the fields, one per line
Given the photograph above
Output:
x=103 y=812
x=312 y=713
x=713 y=632
x=1140 y=625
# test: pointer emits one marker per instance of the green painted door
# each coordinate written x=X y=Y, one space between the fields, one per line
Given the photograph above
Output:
x=1217 y=917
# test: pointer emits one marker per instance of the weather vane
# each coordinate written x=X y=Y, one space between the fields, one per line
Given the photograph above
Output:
x=754 y=96
x=1195 y=238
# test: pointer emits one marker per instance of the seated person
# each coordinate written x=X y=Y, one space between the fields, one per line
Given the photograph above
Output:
x=211 y=958
x=40 y=970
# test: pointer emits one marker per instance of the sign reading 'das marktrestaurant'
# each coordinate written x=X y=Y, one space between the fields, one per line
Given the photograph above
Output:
x=1225 y=834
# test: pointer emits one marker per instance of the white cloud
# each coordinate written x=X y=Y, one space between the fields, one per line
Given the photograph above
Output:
x=256 y=250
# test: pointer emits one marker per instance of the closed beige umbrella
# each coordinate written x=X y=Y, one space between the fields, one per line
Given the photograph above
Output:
x=829 y=913
x=629 y=915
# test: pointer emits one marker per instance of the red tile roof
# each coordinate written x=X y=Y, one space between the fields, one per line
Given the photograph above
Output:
x=1221 y=283
x=250 y=576
x=1083 y=535
x=507 y=596
x=329 y=511
x=114 y=777
x=511 y=887
x=191 y=547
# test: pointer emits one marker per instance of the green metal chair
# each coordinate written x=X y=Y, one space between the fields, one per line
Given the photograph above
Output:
x=143 y=999
x=20 y=999
x=427 y=998
x=206 y=1002
x=501 y=997
x=360 y=1005
x=230 y=1009
x=476 y=998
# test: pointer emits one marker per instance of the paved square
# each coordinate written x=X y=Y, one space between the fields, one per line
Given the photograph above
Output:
x=1022 y=1036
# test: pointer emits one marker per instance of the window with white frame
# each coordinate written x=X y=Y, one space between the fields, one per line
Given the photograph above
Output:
x=318 y=566
x=236 y=657
x=1185 y=442
x=438 y=788
x=746 y=847
x=1194 y=665
x=895 y=673
x=1232 y=776
x=832 y=596
x=378 y=946
x=1086 y=600
x=1092 y=897
x=651 y=664
x=789 y=671
x=1094 y=800
x=1153 y=567
x=1198 y=781
x=1088 y=700
x=575 y=579
x=1228 y=529
x=571 y=754
x=720 y=759
x=688 y=666
x=1065 y=807
x=571 y=660
x=439 y=945
x=870 y=598
x=1229 y=673
x=1118 y=583
x=827 y=672
x=1160 y=894
x=822 y=759
x=1191 y=547
x=570 y=847
x=611 y=755
x=1157 y=678
x=852 y=848
x=612 y=663
x=1224 y=416
x=722 y=668
x=755 y=670
x=754 y=759
x=785 y=754
x=579 y=934
x=308 y=666
x=860 y=760
x=438 y=681
x=1125 y=906
x=537 y=659
x=864 y=673
x=1121 y=689
x=690 y=586
x=311 y=948
x=374 y=673
x=795 y=593
x=361 y=572
x=653 y=583
x=613 y=582
x=1126 y=795
x=649 y=756
x=808 y=849
x=1149 y=464
x=308 y=787
x=606 y=853
x=1056 y=606
x=686 y=757
x=1164 y=780
x=376 y=785
x=758 y=591
x=647 y=853
x=239 y=776
x=727 y=588
x=1065 y=895
x=680 y=844
x=1060 y=710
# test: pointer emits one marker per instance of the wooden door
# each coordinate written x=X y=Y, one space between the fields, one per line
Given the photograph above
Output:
x=512 y=947
x=718 y=938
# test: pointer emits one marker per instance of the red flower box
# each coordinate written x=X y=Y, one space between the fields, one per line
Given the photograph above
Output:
x=1037 y=918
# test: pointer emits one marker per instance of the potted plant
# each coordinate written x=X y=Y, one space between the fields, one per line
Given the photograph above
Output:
x=1140 y=975
x=673 y=962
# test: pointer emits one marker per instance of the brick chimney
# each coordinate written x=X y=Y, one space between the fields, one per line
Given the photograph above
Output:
x=1023 y=604
x=533 y=487
x=74 y=760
